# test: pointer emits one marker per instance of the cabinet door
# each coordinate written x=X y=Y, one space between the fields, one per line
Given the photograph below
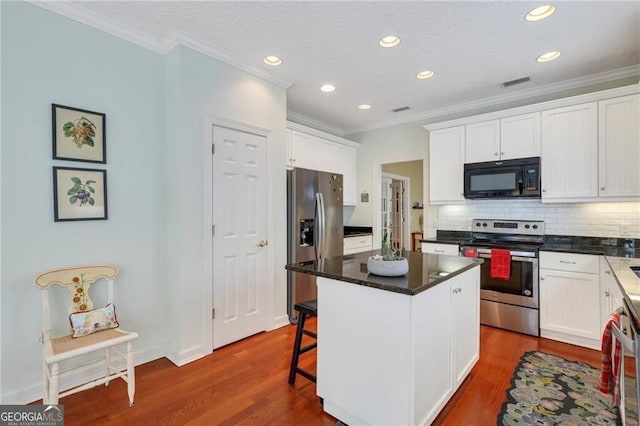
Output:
x=482 y=142
x=347 y=158
x=570 y=303
x=302 y=150
x=446 y=161
x=520 y=136
x=440 y=248
x=610 y=294
x=619 y=147
x=465 y=303
x=327 y=156
x=570 y=152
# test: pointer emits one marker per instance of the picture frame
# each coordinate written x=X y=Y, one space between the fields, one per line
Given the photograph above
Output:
x=79 y=194
x=78 y=134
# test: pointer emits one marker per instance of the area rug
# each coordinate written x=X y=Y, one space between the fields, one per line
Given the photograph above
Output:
x=549 y=390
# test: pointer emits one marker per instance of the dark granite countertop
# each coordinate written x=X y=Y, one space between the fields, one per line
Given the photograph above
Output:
x=628 y=282
x=425 y=270
x=357 y=231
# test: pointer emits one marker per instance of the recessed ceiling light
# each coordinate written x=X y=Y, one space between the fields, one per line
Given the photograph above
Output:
x=272 y=60
x=389 y=41
x=540 y=13
x=549 y=56
x=328 y=88
x=424 y=74
x=364 y=106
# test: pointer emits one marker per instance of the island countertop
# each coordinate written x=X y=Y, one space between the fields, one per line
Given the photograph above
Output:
x=425 y=270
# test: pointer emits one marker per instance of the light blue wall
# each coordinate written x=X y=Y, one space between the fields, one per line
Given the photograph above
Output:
x=155 y=107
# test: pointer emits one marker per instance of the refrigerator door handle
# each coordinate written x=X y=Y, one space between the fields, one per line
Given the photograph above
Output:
x=321 y=226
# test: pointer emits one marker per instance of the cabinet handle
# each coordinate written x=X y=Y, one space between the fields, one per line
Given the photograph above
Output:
x=459 y=289
x=567 y=262
x=602 y=188
x=294 y=160
x=438 y=251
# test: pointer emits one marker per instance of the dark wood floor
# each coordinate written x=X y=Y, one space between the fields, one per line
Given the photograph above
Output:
x=246 y=384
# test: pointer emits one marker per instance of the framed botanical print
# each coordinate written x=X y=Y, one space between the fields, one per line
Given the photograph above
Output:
x=78 y=134
x=79 y=194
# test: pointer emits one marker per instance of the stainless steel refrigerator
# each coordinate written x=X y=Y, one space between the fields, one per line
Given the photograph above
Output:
x=314 y=227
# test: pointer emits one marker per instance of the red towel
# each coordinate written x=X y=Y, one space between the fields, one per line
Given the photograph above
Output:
x=500 y=264
x=609 y=376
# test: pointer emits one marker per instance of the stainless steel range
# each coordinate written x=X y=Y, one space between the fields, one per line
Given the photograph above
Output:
x=511 y=303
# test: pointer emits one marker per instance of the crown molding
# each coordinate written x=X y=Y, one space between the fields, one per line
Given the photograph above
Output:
x=173 y=39
x=316 y=124
x=549 y=89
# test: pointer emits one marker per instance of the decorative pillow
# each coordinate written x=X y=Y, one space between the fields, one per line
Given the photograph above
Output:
x=85 y=323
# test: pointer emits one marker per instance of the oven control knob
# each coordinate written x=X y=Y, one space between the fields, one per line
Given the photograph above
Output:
x=478 y=224
x=535 y=226
x=527 y=292
x=526 y=227
x=484 y=224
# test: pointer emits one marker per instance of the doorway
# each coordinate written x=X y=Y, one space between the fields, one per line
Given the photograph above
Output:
x=239 y=245
x=394 y=210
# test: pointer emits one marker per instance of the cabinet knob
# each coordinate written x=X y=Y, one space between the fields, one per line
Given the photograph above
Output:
x=541 y=278
x=294 y=160
x=502 y=153
x=606 y=293
x=602 y=188
x=495 y=154
x=607 y=272
x=544 y=189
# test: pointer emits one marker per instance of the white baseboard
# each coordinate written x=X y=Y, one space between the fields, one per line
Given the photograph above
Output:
x=186 y=356
x=280 y=321
x=82 y=375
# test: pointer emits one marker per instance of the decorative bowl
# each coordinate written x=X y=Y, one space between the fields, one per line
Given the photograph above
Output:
x=387 y=268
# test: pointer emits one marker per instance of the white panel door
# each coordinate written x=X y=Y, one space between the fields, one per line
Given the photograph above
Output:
x=570 y=152
x=239 y=240
x=619 y=147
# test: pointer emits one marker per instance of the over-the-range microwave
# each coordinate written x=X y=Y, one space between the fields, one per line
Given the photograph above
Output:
x=503 y=179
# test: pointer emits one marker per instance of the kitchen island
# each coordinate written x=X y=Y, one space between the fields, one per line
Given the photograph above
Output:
x=393 y=350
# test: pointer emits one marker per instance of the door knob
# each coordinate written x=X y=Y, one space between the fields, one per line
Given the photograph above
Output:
x=263 y=243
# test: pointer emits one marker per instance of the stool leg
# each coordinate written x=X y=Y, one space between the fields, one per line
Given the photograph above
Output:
x=296 y=348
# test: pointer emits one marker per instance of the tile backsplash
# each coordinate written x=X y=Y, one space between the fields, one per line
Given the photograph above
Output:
x=583 y=219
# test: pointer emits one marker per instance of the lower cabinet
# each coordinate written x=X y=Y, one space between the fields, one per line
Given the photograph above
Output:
x=610 y=294
x=389 y=358
x=440 y=248
x=570 y=298
x=358 y=244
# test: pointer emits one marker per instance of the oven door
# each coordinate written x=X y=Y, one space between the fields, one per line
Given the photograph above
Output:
x=520 y=289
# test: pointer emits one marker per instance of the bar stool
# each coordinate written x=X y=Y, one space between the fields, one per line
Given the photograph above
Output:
x=306 y=309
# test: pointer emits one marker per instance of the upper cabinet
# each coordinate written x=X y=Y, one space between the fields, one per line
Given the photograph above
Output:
x=570 y=152
x=504 y=139
x=300 y=150
x=589 y=146
x=619 y=147
x=308 y=148
x=446 y=161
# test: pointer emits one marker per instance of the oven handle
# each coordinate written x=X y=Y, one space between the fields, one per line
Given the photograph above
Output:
x=518 y=258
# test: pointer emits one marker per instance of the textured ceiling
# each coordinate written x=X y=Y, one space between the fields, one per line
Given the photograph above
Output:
x=471 y=46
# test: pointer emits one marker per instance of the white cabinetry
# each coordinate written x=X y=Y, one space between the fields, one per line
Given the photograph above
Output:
x=504 y=139
x=446 y=160
x=610 y=294
x=570 y=298
x=570 y=152
x=619 y=147
x=311 y=149
x=396 y=359
x=358 y=244
x=300 y=152
x=440 y=248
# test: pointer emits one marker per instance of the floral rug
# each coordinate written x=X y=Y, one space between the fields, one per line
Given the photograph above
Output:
x=549 y=390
